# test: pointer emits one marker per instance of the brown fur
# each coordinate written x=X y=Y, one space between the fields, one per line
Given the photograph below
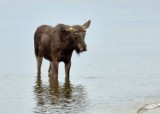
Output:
x=57 y=44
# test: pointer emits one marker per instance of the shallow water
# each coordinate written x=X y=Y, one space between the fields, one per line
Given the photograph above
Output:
x=118 y=74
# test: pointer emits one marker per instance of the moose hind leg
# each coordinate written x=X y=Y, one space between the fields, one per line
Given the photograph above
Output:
x=39 y=63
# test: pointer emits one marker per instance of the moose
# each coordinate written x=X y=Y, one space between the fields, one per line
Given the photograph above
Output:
x=57 y=44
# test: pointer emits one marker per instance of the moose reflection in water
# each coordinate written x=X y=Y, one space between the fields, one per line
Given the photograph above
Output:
x=59 y=98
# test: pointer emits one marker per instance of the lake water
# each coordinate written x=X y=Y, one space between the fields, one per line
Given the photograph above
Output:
x=119 y=74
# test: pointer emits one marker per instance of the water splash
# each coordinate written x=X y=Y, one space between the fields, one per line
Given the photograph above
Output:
x=148 y=107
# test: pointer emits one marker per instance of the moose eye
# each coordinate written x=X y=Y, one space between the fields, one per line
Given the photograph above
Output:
x=75 y=35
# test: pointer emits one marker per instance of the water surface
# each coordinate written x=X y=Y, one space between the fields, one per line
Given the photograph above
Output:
x=118 y=74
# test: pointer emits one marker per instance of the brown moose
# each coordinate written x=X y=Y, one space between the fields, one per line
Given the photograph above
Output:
x=57 y=44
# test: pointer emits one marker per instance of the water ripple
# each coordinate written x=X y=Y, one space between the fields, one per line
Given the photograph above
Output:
x=59 y=98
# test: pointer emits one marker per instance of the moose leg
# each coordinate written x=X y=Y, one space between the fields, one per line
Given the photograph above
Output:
x=50 y=69
x=67 y=68
x=39 y=63
x=54 y=68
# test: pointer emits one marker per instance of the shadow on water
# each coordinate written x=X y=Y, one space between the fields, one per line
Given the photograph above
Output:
x=57 y=98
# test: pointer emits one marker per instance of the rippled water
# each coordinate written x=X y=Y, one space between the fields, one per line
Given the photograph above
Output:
x=59 y=98
x=119 y=74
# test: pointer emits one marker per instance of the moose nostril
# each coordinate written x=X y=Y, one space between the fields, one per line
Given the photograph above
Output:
x=82 y=48
x=85 y=49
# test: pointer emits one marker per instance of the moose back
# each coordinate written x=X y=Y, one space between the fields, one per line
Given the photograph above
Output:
x=57 y=44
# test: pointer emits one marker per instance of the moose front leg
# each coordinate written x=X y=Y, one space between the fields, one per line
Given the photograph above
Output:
x=67 y=68
x=50 y=69
x=54 y=68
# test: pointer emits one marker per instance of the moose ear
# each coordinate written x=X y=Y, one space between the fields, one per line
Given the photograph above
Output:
x=66 y=27
x=87 y=24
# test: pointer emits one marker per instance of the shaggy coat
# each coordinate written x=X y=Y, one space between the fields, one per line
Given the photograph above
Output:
x=57 y=44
